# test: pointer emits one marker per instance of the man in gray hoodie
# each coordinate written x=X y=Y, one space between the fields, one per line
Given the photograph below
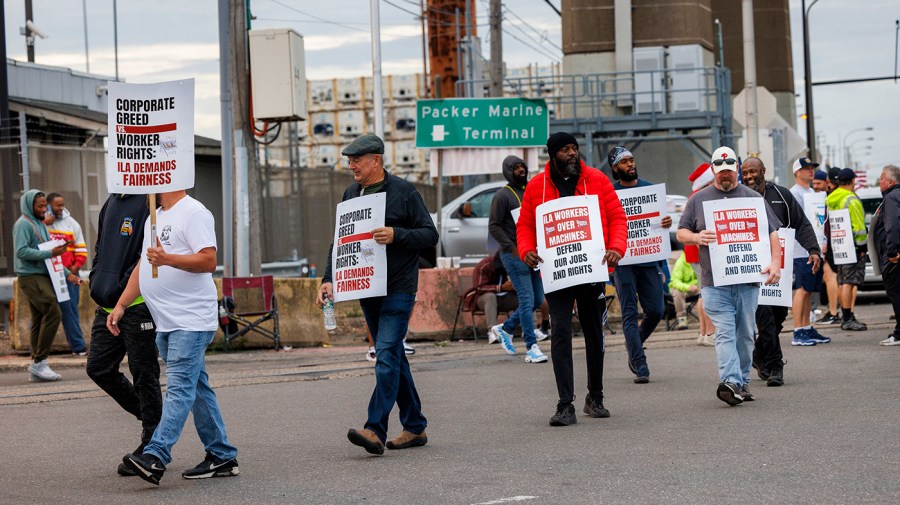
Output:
x=526 y=282
x=34 y=280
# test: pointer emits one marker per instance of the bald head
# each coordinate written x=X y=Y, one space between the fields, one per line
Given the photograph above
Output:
x=753 y=172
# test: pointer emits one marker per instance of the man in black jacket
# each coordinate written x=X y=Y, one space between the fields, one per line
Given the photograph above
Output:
x=408 y=228
x=886 y=238
x=767 y=356
x=526 y=281
x=120 y=235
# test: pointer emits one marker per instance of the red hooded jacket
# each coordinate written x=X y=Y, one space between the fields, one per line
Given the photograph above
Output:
x=541 y=189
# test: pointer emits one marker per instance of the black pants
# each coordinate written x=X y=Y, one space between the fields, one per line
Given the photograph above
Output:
x=891 y=277
x=591 y=306
x=769 y=323
x=137 y=338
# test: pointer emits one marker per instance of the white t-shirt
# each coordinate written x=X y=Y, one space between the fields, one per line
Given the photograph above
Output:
x=180 y=300
x=798 y=191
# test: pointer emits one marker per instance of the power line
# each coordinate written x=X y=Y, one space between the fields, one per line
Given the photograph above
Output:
x=418 y=15
x=536 y=49
x=541 y=35
x=286 y=6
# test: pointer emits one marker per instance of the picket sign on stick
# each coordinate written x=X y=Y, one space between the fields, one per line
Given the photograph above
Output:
x=151 y=141
x=570 y=241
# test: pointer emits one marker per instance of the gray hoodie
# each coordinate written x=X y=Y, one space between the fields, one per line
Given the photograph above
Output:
x=501 y=224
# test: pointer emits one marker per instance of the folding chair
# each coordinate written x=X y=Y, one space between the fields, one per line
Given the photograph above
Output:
x=672 y=318
x=248 y=303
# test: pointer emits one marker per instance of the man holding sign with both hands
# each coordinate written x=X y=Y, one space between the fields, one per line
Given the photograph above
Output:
x=739 y=231
x=580 y=235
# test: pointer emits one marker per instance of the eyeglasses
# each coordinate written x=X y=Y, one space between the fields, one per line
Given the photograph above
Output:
x=727 y=161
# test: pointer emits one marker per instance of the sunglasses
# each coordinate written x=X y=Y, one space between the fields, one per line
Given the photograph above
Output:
x=726 y=161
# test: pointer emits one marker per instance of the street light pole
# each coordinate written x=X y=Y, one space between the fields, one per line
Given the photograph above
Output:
x=844 y=141
x=807 y=76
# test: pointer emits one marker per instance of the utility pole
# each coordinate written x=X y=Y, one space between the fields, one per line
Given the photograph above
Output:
x=752 y=130
x=10 y=184
x=378 y=95
x=248 y=250
x=807 y=76
x=227 y=145
x=496 y=18
x=29 y=36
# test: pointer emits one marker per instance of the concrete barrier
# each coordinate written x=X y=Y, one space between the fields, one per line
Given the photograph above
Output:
x=300 y=321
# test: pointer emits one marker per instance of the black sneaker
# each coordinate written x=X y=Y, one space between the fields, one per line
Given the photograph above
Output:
x=764 y=373
x=565 y=415
x=124 y=470
x=212 y=466
x=595 y=408
x=746 y=394
x=631 y=367
x=829 y=318
x=853 y=325
x=776 y=379
x=729 y=393
x=145 y=466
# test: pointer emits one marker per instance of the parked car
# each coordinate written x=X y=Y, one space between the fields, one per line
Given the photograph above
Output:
x=464 y=226
x=871 y=199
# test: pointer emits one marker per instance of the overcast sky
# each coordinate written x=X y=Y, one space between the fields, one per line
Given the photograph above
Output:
x=175 y=39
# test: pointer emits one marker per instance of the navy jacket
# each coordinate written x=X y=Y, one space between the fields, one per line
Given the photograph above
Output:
x=120 y=238
x=413 y=231
x=886 y=227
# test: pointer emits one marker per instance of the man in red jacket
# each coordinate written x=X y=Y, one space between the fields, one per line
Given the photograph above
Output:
x=566 y=175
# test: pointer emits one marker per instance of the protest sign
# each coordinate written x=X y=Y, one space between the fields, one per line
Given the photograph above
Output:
x=814 y=208
x=358 y=263
x=570 y=241
x=742 y=247
x=645 y=207
x=151 y=137
x=842 y=245
x=56 y=270
x=780 y=293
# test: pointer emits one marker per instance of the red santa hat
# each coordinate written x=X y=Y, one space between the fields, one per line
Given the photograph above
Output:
x=701 y=177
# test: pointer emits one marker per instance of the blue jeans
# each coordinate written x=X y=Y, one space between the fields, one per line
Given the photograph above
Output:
x=633 y=283
x=388 y=320
x=188 y=391
x=70 y=320
x=733 y=312
x=530 y=291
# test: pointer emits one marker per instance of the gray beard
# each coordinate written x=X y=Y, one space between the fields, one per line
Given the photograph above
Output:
x=568 y=169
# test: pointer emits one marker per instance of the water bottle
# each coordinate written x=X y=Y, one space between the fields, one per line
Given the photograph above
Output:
x=328 y=311
x=312 y=270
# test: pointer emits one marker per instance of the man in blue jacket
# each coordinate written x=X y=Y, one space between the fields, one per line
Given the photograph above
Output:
x=886 y=238
x=408 y=228
x=34 y=280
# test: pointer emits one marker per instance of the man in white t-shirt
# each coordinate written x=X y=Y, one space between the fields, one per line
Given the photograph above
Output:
x=806 y=281
x=182 y=301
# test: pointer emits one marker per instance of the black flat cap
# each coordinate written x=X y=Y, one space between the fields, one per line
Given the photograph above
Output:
x=365 y=144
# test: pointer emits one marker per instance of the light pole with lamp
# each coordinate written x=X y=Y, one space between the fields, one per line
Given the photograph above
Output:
x=852 y=155
x=807 y=76
x=844 y=141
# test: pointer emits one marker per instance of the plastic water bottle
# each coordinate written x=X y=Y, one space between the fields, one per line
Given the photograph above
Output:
x=328 y=311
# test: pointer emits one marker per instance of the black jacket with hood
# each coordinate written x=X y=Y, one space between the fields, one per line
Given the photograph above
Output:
x=501 y=224
x=120 y=239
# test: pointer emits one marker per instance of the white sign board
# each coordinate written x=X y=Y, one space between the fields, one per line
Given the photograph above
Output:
x=570 y=241
x=648 y=241
x=780 y=293
x=814 y=208
x=742 y=248
x=151 y=137
x=57 y=271
x=842 y=245
x=358 y=263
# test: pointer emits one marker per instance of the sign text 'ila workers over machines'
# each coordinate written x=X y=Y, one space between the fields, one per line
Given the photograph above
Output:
x=151 y=137
x=482 y=122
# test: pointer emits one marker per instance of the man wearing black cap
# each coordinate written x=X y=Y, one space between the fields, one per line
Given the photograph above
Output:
x=566 y=175
x=639 y=282
x=408 y=228
x=830 y=293
x=820 y=181
x=851 y=276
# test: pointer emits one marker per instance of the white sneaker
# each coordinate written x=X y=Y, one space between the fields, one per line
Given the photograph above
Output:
x=706 y=340
x=534 y=355
x=492 y=338
x=540 y=335
x=41 y=372
x=892 y=340
x=370 y=354
x=408 y=349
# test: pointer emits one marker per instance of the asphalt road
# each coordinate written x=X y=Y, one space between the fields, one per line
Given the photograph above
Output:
x=830 y=435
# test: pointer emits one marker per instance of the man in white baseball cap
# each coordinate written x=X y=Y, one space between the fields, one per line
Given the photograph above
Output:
x=731 y=308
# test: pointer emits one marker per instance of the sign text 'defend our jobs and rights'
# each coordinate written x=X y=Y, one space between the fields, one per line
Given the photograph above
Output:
x=481 y=122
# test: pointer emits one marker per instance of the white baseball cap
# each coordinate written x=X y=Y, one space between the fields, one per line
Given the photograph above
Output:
x=723 y=158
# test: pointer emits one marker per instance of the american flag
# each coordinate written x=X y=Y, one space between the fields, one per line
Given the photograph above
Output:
x=861 y=180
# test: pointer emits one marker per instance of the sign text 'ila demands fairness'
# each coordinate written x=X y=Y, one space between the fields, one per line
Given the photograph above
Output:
x=742 y=248
x=644 y=208
x=570 y=241
x=358 y=263
x=151 y=137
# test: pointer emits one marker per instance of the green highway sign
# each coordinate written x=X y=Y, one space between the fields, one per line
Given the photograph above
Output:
x=482 y=122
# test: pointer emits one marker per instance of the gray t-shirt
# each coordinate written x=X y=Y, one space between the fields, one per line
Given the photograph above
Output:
x=694 y=220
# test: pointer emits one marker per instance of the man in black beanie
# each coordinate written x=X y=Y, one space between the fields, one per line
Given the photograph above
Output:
x=566 y=175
